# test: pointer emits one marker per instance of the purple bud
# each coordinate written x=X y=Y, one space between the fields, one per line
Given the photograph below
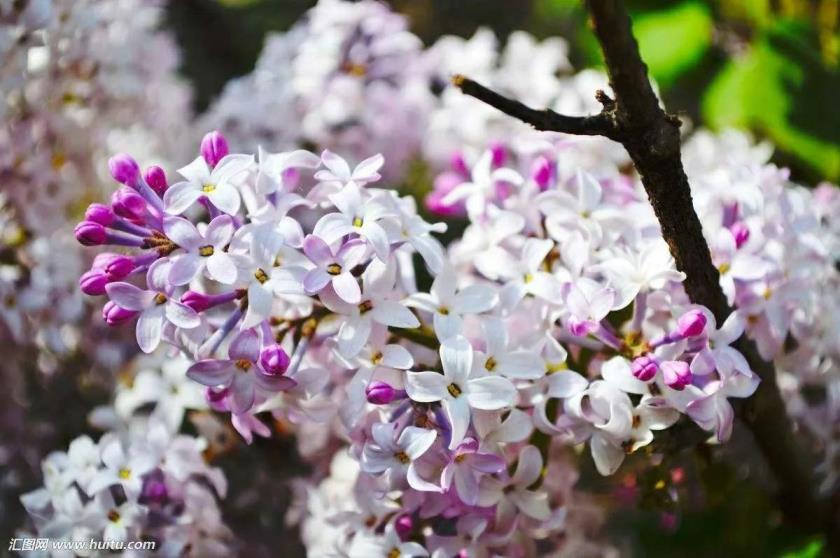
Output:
x=644 y=368
x=692 y=323
x=380 y=393
x=156 y=178
x=154 y=491
x=197 y=301
x=459 y=164
x=403 y=526
x=93 y=282
x=128 y=203
x=541 y=172
x=119 y=267
x=115 y=315
x=124 y=169
x=741 y=233
x=213 y=148
x=99 y=213
x=676 y=373
x=274 y=360
x=498 y=152
x=89 y=233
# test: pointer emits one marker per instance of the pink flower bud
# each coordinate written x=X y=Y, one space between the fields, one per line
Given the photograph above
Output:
x=541 y=172
x=274 y=360
x=128 y=203
x=498 y=153
x=154 y=491
x=741 y=233
x=89 y=233
x=124 y=169
x=644 y=368
x=676 y=373
x=380 y=393
x=118 y=267
x=93 y=282
x=692 y=323
x=459 y=164
x=99 y=213
x=115 y=315
x=197 y=301
x=444 y=183
x=156 y=178
x=217 y=398
x=403 y=526
x=214 y=147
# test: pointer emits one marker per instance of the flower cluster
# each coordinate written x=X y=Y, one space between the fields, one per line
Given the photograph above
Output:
x=289 y=280
x=349 y=77
x=142 y=483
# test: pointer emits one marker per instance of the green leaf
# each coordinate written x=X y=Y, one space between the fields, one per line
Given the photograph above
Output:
x=781 y=88
x=673 y=40
x=811 y=550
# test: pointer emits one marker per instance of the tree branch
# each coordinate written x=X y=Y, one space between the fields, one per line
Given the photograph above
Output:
x=651 y=137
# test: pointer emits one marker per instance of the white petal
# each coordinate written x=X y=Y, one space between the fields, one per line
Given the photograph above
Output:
x=425 y=387
x=490 y=393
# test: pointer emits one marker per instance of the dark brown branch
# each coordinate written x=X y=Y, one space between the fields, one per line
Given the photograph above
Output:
x=651 y=137
x=545 y=119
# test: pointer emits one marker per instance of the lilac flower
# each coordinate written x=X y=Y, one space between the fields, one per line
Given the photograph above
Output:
x=482 y=185
x=588 y=303
x=389 y=545
x=397 y=456
x=155 y=305
x=510 y=495
x=465 y=468
x=202 y=250
x=524 y=275
x=273 y=167
x=497 y=358
x=359 y=213
x=448 y=305
x=375 y=307
x=457 y=391
x=338 y=173
x=718 y=355
x=218 y=184
x=125 y=470
x=712 y=410
x=632 y=272
x=241 y=374
x=333 y=268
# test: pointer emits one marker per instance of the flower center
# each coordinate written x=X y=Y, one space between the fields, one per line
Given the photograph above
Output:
x=454 y=390
x=208 y=187
x=206 y=251
x=637 y=420
x=402 y=457
x=261 y=276
x=460 y=457
x=723 y=268
x=244 y=364
x=365 y=307
x=528 y=277
x=160 y=298
x=355 y=69
x=443 y=310
x=394 y=553
x=552 y=367
x=113 y=516
x=124 y=473
x=334 y=269
x=490 y=365
x=377 y=357
x=358 y=222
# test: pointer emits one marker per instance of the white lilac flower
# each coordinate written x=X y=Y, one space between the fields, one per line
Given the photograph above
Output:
x=456 y=390
x=395 y=453
x=203 y=251
x=448 y=305
x=155 y=305
x=217 y=184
